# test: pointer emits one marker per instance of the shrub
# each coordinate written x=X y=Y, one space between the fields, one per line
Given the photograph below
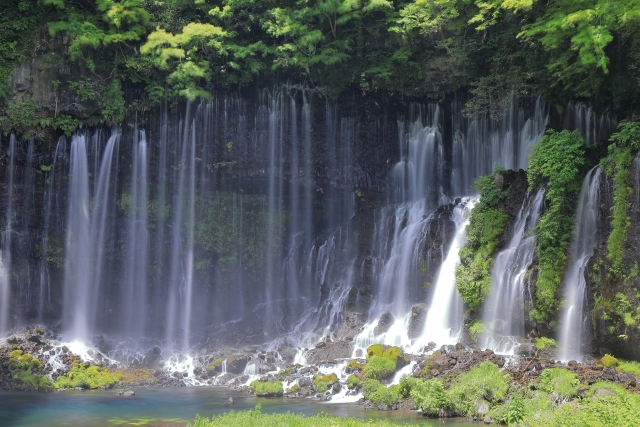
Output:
x=408 y=383
x=620 y=410
x=559 y=381
x=267 y=388
x=374 y=391
x=481 y=382
x=91 y=377
x=477 y=328
x=431 y=397
x=379 y=367
x=293 y=389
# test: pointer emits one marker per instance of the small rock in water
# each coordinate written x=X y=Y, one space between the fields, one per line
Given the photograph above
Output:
x=126 y=393
x=229 y=401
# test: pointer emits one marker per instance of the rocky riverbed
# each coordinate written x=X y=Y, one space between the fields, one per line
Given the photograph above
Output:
x=329 y=371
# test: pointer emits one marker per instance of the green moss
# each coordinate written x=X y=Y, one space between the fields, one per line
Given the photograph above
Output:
x=609 y=361
x=267 y=388
x=544 y=342
x=91 y=377
x=353 y=364
x=555 y=164
x=323 y=382
x=23 y=367
x=353 y=382
x=379 y=367
x=293 y=389
x=473 y=275
x=559 y=381
x=375 y=350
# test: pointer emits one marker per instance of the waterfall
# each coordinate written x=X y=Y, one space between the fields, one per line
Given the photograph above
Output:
x=581 y=248
x=137 y=245
x=181 y=272
x=445 y=312
x=504 y=310
x=50 y=198
x=594 y=129
x=86 y=237
x=479 y=143
x=5 y=253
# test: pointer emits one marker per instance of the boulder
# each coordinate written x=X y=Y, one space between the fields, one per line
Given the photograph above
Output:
x=126 y=393
x=384 y=323
x=417 y=321
x=236 y=363
x=229 y=401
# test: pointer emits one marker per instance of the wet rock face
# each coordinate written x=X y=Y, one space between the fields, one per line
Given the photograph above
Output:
x=384 y=323
x=237 y=362
x=329 y=352
x=417 y=320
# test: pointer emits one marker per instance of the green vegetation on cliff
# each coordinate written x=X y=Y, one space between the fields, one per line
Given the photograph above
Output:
x=556 y=165
x=616 y=165
x=486 y=225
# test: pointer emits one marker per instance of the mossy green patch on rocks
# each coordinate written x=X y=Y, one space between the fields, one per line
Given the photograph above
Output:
x=323 y=382
x=379 y=367
x=88 y=377
x=267 y=388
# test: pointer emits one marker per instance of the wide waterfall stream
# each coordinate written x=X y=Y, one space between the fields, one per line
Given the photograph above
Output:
x=261 y=227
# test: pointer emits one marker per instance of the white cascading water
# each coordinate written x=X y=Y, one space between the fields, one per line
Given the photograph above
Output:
x=504 y=309
x=445 y=316
x=479 y=143
x=5 y=253
x=582 y=117
x=581 y=248
x=50 y=199
x=86 y=229
x=135 y=281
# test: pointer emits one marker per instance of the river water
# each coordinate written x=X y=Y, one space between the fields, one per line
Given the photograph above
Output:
x=170 y=408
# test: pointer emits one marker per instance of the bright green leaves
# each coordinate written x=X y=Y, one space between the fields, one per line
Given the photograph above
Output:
x=312 y=35
x=577 y=34
x=111 y=22
x=183 y=54
x=555 y=164
x=426 y=16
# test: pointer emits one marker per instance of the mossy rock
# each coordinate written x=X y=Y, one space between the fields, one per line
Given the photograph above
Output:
x=354 y=366
x=379 y=367
x=267 y=388
x=293 y=389
x=609 y=361
x=323 y=382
